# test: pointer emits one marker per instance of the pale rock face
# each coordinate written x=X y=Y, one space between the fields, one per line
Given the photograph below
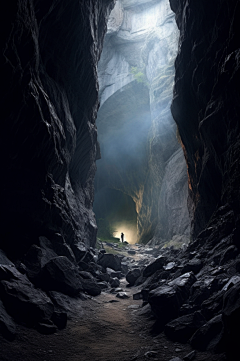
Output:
x=130 y=3
x=141 y=42
x=116 y=18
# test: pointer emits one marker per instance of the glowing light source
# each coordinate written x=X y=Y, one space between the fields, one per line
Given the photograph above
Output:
x=128 y=229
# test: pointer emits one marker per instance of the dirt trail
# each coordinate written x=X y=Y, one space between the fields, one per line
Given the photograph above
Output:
x=100 y=330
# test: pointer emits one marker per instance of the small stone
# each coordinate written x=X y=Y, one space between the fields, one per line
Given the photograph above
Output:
x=178 y=349
x=114 y=282
x=150 y=354
x=122 y=295
x=137 y=296
x=118 y=289
x=46 y=328
x=132 y=252
x=190 y=356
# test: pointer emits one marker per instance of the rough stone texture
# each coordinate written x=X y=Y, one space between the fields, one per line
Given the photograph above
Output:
x=137 y=133
x=48 y=148
x=108 y=260
x=22 y=300
x=49 y=105
x=59 y=274
x=133 y=275
x=206 y=104
x=173 y=212
x=7 y=326
x=154 y=266
x=166 y=300
x=182 y=328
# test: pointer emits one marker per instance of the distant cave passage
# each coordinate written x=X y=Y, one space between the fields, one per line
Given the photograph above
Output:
x=115 y=213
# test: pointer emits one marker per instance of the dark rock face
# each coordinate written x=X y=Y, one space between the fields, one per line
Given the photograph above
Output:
x=59 y=274
x=49 y=105
x=7 y=326
x=182 y=328
x=110 y=261
x=49 y=56
x=21 y=299
x=133 y=275
x=206 y=104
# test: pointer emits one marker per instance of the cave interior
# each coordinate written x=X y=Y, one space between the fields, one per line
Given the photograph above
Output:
x=135 y=103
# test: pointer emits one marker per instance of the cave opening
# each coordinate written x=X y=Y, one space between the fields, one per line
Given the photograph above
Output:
x=140 y=153
x=116 y=213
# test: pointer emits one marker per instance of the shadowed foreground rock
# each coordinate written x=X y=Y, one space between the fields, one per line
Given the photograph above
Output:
x=48 y=149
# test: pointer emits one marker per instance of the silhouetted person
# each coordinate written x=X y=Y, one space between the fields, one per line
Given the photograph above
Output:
x=122 y=237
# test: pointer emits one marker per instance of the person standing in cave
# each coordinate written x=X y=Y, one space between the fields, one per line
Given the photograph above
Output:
x=122 y=237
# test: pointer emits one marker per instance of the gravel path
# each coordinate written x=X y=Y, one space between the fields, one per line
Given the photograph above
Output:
x=100 y=329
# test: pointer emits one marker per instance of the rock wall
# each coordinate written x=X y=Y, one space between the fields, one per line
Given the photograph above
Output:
x=206 y=104
x=48 y=134
x=137 y=133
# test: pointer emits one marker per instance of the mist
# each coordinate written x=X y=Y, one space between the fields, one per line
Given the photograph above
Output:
x=136 y=131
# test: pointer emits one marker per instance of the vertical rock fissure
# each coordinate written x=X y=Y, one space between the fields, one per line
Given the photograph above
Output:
x=140 y=154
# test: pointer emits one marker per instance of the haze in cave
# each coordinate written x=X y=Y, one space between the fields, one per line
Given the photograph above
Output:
x=65 y=294
x=140 y=155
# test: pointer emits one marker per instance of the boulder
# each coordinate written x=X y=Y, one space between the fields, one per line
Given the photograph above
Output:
x=114 y=282
x=91 y=287
x=60 y=274
x=113 y=273
x=109 y=260
x=47 y=250
x=230 y=253
x=124 y=268
x=210 y=336
x=59 y=318
x=213 y=305
x=33 y=262
x=59 y=245
x=203 y=289
x=131 y=251
x=167 y=299
x=137 y=296
x=182 y=328
x=8 y=272
x=7 y=326
x=46 y=328
x=86 y=275
x=133 y=275
x=82 y=253
x=184 y=282
x=64 y=303
x=194 y=265
x=23 y=301
x=231 y=282
x=190 y=356
x=154 y=266
x=170 y=266
x=4 y=260
x=231 y=309
x=103 y=285
x=105 y=277
x=231 y=319
x=122 y=295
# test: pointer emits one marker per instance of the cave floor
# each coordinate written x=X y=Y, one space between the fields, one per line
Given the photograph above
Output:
x=100 y=329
